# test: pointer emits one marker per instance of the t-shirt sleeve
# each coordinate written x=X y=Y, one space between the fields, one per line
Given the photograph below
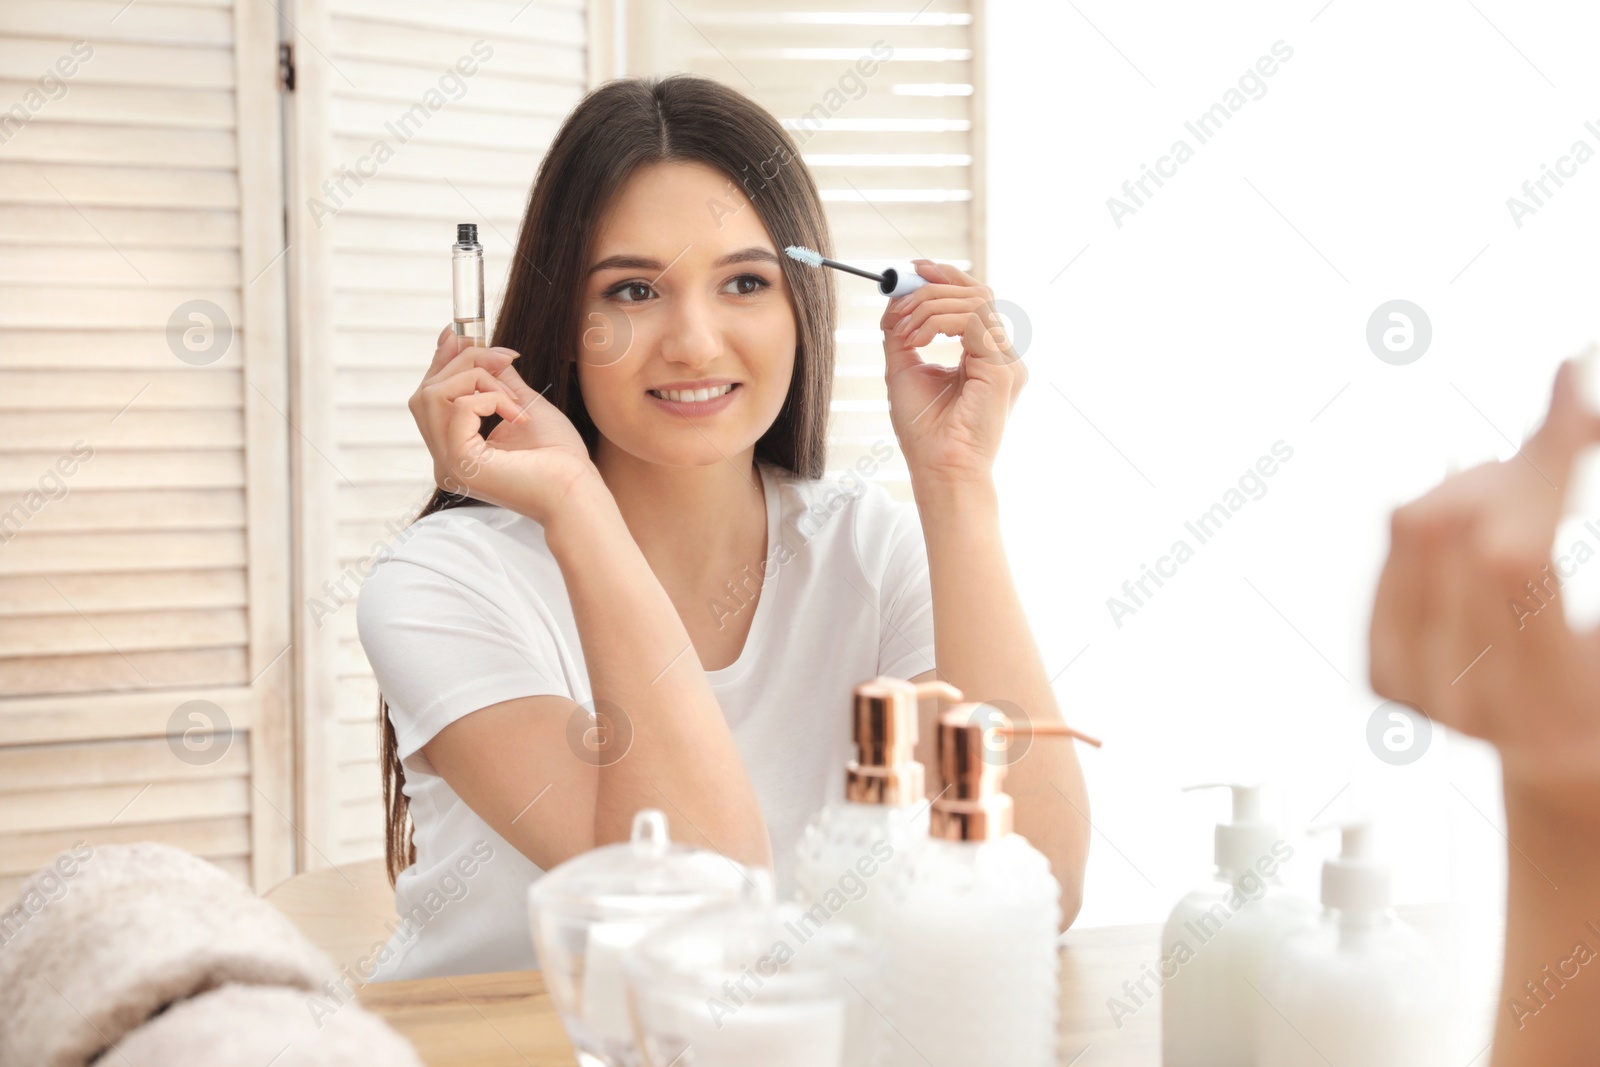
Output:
x=439 y=647
x=889 y=541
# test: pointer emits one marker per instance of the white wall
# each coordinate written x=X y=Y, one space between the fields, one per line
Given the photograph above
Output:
x=1229 y=313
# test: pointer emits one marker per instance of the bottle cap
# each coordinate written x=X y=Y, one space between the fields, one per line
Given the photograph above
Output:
x=466 y=233
x=1355 y=880
x=900 y=279
x=1242 y=843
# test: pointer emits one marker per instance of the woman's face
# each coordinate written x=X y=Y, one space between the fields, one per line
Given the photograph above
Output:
x=684 y=292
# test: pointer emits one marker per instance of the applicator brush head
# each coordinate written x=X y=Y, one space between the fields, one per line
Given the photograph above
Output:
x=804 y=255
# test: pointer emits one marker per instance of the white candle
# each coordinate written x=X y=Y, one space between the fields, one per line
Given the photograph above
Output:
x=605 y=1003
x=773 y=1035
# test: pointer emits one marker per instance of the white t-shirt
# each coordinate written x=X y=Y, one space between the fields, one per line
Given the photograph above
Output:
x=471 y=609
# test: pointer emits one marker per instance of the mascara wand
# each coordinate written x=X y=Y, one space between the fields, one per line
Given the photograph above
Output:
x=894 y=281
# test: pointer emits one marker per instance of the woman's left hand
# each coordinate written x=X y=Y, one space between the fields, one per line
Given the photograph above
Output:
x=949 y=419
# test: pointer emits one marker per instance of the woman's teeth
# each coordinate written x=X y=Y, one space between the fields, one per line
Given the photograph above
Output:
x=690 y=396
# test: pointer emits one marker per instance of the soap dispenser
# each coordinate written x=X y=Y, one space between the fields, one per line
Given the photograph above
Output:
x=851 y=849
x=1358 y=988
x=971 y=931
x=1216 y=943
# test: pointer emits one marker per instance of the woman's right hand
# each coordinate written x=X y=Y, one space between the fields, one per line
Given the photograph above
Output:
x=530 y=463
x=1468 y=623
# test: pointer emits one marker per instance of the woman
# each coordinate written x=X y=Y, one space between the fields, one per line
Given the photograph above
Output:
x=676 y=566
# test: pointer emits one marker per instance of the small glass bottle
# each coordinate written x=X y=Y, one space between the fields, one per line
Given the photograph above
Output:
x=466 y=265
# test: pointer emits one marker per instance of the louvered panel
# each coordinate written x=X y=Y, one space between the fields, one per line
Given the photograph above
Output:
x=58 y=432
x=88 y=806
x=386 y=387
x=48 y=555
x=359 y=542
x=133 y=467
x=407 y=466
x=119 y=227
x=53 y=719
x=143 y=23
x=157 y=389
x=120 y=62
x=214 y=839
x=377 y=233
x=117 y=145
x=102 y=266
x=553 y=22
x=85 y=185
x=381 y=425
x=136 y=762
x=138 y=591
x=381 y=504
x=363 y=120
x=99 y=350
x=148 y=306
x=494 y=207
x=373 y=348
x=113 y=672
x=358 y=698
x=359 y=823
x=143 y=509
x=136 y=105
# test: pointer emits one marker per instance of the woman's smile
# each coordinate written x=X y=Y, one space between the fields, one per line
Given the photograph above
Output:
x=695 y=402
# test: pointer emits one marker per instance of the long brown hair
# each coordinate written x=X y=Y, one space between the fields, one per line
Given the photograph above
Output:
x=616 y=129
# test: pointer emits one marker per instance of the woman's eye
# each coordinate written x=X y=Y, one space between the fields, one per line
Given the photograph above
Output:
x=760 y=284
x=628 y=287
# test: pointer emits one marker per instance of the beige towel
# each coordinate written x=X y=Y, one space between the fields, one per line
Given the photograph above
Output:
x=253 y=1026
x=89 y=957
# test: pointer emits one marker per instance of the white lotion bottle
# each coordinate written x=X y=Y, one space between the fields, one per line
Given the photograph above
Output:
x=849 y=852
x=1216 y=942
x=971 y=937
x=1358 y=987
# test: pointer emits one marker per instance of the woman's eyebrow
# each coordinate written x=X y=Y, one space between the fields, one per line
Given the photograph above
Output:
x=627 y=261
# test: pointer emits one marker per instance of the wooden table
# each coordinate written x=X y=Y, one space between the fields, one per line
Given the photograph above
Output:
x=507 y=1020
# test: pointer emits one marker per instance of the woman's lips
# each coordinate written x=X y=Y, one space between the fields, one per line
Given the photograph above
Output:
x=696 y=408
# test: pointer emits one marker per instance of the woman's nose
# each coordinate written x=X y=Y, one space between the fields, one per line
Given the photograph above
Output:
x=694 y=337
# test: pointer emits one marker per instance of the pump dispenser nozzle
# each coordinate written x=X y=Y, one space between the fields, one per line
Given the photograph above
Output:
x=885 y=770
x=972 y=806
x=1355 y=882
x=1242 y=843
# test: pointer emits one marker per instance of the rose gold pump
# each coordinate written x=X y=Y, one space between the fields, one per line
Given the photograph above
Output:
x=884 y=726
x=971 y=805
